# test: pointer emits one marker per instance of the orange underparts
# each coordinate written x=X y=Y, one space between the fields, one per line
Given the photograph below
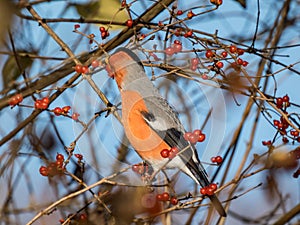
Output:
x=146 y=142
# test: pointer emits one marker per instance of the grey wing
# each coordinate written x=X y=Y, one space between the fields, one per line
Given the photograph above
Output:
x=163 y=119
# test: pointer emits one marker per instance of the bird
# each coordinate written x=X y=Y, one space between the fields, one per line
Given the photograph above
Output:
x=150 y=123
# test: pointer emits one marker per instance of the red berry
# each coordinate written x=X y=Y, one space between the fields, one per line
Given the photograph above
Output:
x=285 y=140
x=169 y=51
x=38 y=104
x=75 y=116
x=201 y=137
x=78 y=68
x=216 y=2
x=129 y=23
x=219 y=159
x=43 y=105
x=46 y=100
x=279 y=102
x=76 y=26
x=224 y=54
x=233 y=49
x=57 y=111
x=165 y=196
x=85 y=69
x=95 y=64
x=210 y=191
x=209 y=54
x=179 y=12
x=177 y=47
x=219 y=64
x=286 y=98
x=66 y=109
x=123 y=3
x=19 y=98
x=190 y=14
x=159 y=197
x=78 y=156
x=213 y=186
x=267 y=143
x=187 y=135
x=59 y=164
x=197 y=132
x=60 y=157
x=204 y=76
x=43 y=171
x=194 y=61
x=294 y=133
x=203 y=191
x=173 y=152
x=174 y=201
x=165 y=153
x=240 y=61
x=188 y=34
x=240 y=51
x=194 y=67
x=245 y=63
x=102 y=29
x=213 y=159
x=193 y=138
x=12 y=101
x=16 y=99
x=104 y=34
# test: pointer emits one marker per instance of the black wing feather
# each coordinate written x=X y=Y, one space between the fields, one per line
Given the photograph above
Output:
x=174 y=138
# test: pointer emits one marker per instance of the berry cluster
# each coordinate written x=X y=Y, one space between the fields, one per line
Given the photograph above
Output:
x=82 y=69
x=53 y=168
x=85 y=69
x=169 y=153
x=283 y=102
x=219 y=64
x=209 y=190
x=41 y=103
x=141 y=168
x=194 y=64
x=282 y=124
x=195 y=136
x=175 y=48
x=15 y=100
x=217 y=159
x=58 y=111
x=165 y=196
x=61 y=111
x=104 y=32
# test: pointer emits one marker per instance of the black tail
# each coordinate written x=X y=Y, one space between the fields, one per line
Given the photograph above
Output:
x=201 y=177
